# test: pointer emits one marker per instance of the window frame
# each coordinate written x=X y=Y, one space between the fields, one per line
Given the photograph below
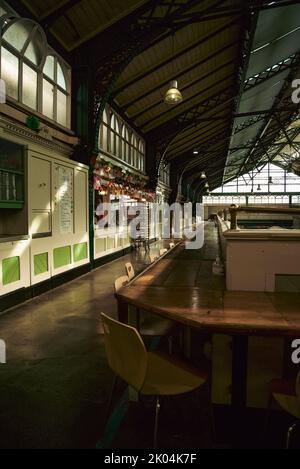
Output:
x=38 y=69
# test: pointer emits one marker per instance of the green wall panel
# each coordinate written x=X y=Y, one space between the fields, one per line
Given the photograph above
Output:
x=62 y=256
x=41 y=263
x=11 y=270
x=80 y=252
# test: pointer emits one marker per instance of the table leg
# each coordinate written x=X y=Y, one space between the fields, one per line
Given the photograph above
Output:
x=187 y=342
x=239 y=370
x=123 y=312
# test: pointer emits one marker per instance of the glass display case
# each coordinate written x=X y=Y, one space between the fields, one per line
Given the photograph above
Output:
x=11 y=175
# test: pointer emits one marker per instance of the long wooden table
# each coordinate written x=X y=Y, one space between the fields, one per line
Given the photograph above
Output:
x=183 y=289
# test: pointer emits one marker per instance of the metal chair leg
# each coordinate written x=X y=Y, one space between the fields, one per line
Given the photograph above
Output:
x=289 y=434
x=157 y=409
x=110 y=399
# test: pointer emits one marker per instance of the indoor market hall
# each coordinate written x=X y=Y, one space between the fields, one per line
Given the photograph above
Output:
x=150 y=227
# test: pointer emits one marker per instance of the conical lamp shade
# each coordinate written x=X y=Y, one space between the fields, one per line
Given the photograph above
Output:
x=173 y=95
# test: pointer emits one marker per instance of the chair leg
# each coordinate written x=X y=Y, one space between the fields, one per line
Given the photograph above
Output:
x=157 y=409
x=110 y=399
x=290 y=433
x=267 y=418
x=212 y=417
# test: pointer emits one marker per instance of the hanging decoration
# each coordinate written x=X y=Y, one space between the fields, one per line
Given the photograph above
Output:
x=113 y=180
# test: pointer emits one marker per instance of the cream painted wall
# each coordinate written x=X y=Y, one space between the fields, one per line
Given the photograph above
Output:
x=42 y=212
x=254 y=258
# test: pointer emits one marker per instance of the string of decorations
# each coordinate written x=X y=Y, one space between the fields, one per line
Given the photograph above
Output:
x=111 y=179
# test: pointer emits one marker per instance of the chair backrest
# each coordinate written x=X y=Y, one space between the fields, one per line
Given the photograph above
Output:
x=126 y=352
x=171 y=245
x=153 y=258
x=121 y=282
x=129 y=270
x=162 y=251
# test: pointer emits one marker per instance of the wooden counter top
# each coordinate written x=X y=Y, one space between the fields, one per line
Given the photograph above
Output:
x=184 y=290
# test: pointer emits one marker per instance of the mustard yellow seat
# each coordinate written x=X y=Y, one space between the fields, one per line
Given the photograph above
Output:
x=153 y=258
x=287 y=395
x=147 y=372
x=129 y=270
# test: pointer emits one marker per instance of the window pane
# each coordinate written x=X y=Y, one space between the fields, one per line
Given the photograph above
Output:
x=48 y=99
x=29 y=87
x=34 y=51
x=17 y=34
x=61 y=78
x=10 y=72
x=61 y=108
x=49 y=67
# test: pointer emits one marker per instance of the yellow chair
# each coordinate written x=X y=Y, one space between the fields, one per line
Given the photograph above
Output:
x=121 y=282
x=129 y=270
x=149 y=373
x=287 y=395
x=153 y=258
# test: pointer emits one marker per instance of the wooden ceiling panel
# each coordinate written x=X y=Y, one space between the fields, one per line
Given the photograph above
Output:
x=81 y=20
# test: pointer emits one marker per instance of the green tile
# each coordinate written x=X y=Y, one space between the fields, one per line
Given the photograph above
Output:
x=11 y=270
x=62 y=256
x=80 y=252
x=41 y=263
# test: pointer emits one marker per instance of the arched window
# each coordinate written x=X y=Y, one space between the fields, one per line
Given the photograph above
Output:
x=141 y=153
x=123 y=143
x=32 y=73
x=114 y=135
x=104 y=131
x=127 y=152
x=55 y=91
x=133 y=150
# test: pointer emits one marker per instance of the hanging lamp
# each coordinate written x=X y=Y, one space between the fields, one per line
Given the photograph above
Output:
x=173 y=95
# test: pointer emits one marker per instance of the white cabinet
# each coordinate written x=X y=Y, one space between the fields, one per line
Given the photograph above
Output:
x=39 y=190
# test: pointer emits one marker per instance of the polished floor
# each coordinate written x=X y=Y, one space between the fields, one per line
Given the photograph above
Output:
x=54 y=387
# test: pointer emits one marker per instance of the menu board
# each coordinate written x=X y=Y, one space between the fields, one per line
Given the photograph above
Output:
x=65 y=184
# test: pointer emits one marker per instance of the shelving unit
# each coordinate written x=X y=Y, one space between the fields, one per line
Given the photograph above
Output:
x=11 y=175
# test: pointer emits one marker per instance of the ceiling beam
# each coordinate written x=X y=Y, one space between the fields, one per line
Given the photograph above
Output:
x=190 y=116
x=182 y=89
x=47 y=21
x=183 y=72
x=170 y=109
x=24 y=12
x=171 y=58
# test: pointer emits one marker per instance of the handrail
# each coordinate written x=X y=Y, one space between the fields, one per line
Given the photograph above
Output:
x=234 y=209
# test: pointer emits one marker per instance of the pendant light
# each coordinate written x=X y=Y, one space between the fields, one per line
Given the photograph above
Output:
x=173 y=95
x=203 y=175
x=206 y=185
